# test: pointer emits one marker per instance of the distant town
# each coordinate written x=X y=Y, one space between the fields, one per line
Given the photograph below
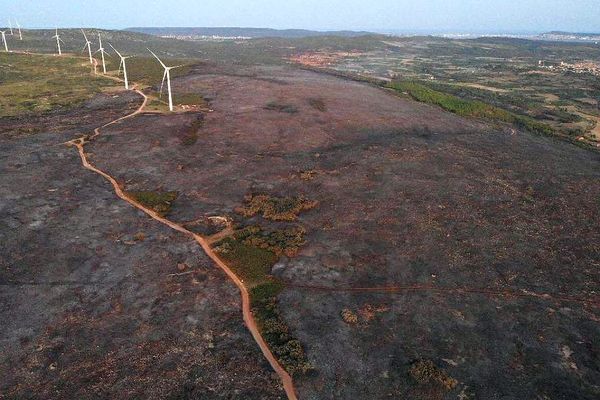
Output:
x=577 y=68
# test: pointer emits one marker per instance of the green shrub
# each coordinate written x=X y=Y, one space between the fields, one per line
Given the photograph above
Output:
x=469 y=108
x=161 y=202
x=275 y=208
x=285 y=347
x=250 y=263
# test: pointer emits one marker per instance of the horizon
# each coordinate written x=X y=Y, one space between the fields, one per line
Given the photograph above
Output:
x=391 y=31
x=433 y=16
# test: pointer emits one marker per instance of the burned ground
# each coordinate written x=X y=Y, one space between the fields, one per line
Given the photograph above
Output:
x=491 y=236
x=486 y=239
x=99 y=301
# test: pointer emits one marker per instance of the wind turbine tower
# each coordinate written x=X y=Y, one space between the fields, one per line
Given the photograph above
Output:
x=102 y=53
x=166 y=75
x=10 y=27
x=19 y=28
x=88 y=44
x=58 y=40
x=4 y=40
x=123 y=64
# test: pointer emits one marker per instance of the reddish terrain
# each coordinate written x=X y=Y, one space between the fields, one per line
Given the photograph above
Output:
x=491 y=239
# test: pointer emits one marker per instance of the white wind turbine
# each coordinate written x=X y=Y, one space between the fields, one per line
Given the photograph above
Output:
x=102 y=53
x=88 y=45
x=19 y=28
x=123 y=64
x=58 y=40
x=10 y=27
x=4 y=40
x=166 y=75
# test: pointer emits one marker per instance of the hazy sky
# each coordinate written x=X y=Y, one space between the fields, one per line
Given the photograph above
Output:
x=381 y=15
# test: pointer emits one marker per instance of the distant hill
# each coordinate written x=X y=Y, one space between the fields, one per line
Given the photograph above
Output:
x=243 y=32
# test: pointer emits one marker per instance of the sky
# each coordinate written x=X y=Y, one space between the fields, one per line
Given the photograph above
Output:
x=416 y=16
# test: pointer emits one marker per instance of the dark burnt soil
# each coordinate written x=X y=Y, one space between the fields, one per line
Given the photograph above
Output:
x=89 y=115
x=98 y=301
x=408 y=195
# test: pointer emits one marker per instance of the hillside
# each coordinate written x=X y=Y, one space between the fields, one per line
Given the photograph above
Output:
x=242 y=32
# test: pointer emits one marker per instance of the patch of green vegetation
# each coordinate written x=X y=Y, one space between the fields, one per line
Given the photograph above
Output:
x=275 y=208
x=37 y=84
x=250 y=263
x=318 y=104
x=160 y=202
x=251 y=253
x=147 y=70
x=280 y=242
x=284 y=346
x=280 y=107
x=189 y=99
x=469 y=108
x=425 y=372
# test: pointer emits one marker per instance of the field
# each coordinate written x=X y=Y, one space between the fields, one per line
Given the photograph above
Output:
x=399 y=236
x=504 y=73
x=37 y=84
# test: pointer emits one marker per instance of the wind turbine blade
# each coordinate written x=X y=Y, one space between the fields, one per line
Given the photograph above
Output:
x=155 y=56
x=119 y=54
x=162 y=83
x=120 y=64
x=84 y=35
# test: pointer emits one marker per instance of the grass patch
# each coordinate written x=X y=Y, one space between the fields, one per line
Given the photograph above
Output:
x=469 y=108
x=160 y=202
x=189 y=99
x=284 y=346
x=38 y=84
x=251 y=253
x=275 y=208
x=148 y=71
x=280 y=107
x=250 y=263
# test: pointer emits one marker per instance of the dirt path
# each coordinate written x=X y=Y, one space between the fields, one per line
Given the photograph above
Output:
x=203 y=242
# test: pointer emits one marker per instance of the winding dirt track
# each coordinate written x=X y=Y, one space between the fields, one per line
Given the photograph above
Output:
x=79 y=143
x=205 y=243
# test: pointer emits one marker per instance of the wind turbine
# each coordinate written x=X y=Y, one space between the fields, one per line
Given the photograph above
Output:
x=10 y=27
x=88 y=44
x=123 y=64
x=19 y=28
x=58 y=40
x=4 y=40
x=166 y=75
x=102 y=53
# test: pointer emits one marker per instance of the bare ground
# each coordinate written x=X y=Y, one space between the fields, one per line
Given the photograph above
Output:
x=496 y=234
x=408 y=195
x=99 y=301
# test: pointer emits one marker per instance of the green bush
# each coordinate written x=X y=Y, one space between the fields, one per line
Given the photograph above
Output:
x=469 y=108
x=161 y=202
